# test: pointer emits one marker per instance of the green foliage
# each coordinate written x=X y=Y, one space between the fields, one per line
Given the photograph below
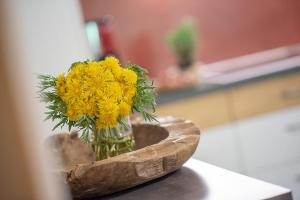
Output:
x=145 y=94
x=182 y=41
x=57 y=108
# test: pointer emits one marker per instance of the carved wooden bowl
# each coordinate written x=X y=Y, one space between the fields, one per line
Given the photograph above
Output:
x=160 y=149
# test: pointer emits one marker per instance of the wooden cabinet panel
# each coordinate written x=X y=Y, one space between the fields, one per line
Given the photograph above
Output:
x=245 y=101
x=266 y=96
x=204 y=111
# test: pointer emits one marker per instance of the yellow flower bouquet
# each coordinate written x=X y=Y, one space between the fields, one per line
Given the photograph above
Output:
x=97 y=97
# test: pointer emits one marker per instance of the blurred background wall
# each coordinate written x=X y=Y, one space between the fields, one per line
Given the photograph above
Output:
x=227 y=28
x=52 y=34
x=50 y=38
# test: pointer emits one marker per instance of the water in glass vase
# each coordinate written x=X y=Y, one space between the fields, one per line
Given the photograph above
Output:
x=110 y=142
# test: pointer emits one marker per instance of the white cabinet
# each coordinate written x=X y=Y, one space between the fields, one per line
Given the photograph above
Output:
x=270 y=145
x=218 y=146
x=271 y=139
x=266 y=147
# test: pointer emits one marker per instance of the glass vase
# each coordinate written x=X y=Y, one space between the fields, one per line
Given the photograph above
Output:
x=110 y=142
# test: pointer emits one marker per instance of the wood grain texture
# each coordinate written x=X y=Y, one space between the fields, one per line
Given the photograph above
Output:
x=161 y=148
x=238 y=102
x=266 y=96
x=205 y=111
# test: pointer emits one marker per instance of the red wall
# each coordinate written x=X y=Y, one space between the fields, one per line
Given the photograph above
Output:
x=228 y=28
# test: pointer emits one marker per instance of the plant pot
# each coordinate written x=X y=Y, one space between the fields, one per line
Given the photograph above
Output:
x=184 y=65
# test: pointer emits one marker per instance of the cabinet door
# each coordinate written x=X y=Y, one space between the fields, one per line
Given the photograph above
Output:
x=205 y=111
x=271 y=139
x=266 y=96
x=287 y=176
x=218 y=146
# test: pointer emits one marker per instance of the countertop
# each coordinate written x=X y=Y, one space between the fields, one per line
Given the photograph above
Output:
x=197 y=180
x=237 y=71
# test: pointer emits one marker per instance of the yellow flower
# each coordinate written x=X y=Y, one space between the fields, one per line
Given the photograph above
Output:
x=102 y=90
x=71 y=113
x=108 y=114
x=60 y=85
x=112 y=64
x=129 y=77
x=124 y=108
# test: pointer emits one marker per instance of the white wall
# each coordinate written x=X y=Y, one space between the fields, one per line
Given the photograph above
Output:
x=53 y=34
x=51 y=37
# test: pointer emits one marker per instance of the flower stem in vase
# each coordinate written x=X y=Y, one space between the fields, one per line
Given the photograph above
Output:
x=110 y=142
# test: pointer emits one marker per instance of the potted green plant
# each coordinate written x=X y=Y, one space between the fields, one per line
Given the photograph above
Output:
x=182 y=42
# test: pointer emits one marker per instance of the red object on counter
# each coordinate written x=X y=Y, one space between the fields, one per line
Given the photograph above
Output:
x=106 y=33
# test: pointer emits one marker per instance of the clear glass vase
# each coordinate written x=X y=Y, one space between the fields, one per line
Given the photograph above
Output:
x=110 y=142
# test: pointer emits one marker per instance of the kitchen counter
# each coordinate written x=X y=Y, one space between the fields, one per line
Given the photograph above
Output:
x=238 y=71
x=197 y=180
x=236 y=89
